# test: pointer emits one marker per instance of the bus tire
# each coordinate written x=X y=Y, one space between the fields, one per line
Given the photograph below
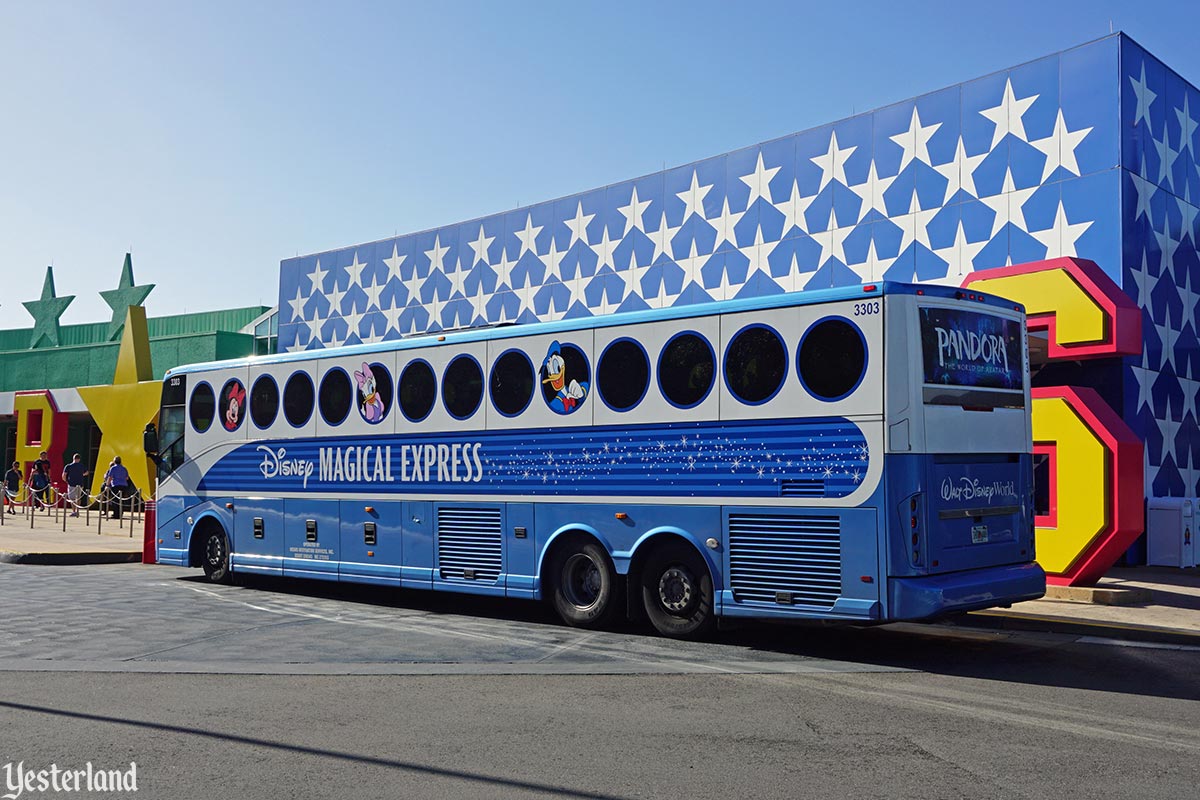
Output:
x=677 y=592
x=214 y=555
x=584 y=588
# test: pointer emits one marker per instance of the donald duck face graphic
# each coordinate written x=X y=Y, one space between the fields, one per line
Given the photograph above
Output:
x=568 y=393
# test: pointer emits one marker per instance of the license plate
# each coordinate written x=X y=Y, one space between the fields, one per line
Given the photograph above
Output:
x=978 y=534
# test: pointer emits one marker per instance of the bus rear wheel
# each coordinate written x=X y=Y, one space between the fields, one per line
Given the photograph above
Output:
x=677 y=592
x=583 y=585
x=215 y=556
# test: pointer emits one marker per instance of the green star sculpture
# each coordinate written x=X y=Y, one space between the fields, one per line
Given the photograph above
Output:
x=124 y=296
x=45 y=313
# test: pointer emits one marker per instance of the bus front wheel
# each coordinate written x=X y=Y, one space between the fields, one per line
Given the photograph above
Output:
x=215 y=556
x=677 y=592
x=584 y=590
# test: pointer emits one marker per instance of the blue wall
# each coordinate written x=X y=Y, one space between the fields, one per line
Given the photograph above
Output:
x=969 y=177
x=1160 y=180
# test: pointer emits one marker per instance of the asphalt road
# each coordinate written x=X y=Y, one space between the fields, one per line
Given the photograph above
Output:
x=279 y=690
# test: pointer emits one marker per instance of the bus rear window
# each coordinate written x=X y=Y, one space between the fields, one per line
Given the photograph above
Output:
x=971 y=350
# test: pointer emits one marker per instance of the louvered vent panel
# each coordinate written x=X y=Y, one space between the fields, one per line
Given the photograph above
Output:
x=785 y=559
x=802 y=487
x=469 y=543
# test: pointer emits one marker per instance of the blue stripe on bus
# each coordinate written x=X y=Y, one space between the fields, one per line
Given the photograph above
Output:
x=751 y=458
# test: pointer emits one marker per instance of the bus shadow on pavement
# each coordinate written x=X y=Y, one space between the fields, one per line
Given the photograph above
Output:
x=1029 y=658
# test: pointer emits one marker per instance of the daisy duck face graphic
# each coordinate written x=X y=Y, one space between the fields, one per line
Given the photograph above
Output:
x=370 y=402
x=235 y=399
x=568 y=393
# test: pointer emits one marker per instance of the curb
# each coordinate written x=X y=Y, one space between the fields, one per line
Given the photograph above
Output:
x=69 y=559
x=1001 y=620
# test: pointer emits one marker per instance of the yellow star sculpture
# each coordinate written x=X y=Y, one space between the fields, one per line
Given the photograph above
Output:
x=122 y=410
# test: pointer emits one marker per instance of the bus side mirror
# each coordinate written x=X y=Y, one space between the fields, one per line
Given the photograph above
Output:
x=150 y=439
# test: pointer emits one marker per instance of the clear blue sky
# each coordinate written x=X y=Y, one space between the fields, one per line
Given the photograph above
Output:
x=216 y=138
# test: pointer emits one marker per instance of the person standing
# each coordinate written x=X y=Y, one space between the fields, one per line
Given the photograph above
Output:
x=117 y=480
x=12 y=485
x=73 y=475
x=39 y=483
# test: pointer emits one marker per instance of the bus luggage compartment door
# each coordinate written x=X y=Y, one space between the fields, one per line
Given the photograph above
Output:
x=257 y=545
x=371 y=542
x=311 y=539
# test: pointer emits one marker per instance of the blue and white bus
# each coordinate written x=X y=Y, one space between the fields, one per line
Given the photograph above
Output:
x=859 y=454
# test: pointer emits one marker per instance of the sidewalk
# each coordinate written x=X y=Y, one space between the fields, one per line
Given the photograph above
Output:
x=1170 y=614
x=47 y=543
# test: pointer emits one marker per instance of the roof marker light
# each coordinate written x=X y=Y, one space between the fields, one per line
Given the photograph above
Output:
x=870 y=287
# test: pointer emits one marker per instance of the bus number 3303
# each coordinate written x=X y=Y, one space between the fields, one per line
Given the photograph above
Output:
x=863 y=309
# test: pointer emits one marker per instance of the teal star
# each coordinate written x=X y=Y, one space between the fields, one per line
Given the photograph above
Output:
x=46 y=311
x=124 y=296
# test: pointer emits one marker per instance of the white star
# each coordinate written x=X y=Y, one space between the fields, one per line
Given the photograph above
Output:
x=578 y=225
x=1008 y=115
x=915 y=140
x=355 y=271
x=1167 y=245
x=759 y=181
x=1142 y=279
x=1189 y=213
x=335 y=296
x=725 y=224
x=662 y=240
x=871 y=192
x=914 y=227
x=525 y=294
x=392 y=318
x=1166 y=158
x=317 y=276
x=633 y=212
x=793 y=281
x=1188 y=125
x=553 y=258
x=604 y=250
x=552 y=312
x=1145 y=190
x=1144 y=98
x=575 y=285
x=335 y=339
x=458 y=282
x=436 y=255
x=480 y=246
x=479 y=305
x=1060 y=237
x=503 y=270
x=758 y=253
x=1008 y=205
x=373 y=292
x=831 y=241
x=354 y=322
x=960 y=172
x=606 y=306
x=314 y=327
x=693 y=197
x=528 y=236
x=833 y=163
x=394 y=263
x=875 y=267
x=1059 y=147
x=691 y=265
x=960 y=255
x=295 y=347
x=663 y=299
x=298 y=304
x=413 y=285
x=794 y=209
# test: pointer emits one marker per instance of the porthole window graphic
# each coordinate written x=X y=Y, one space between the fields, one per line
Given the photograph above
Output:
x=335 y=396
x=462 y=387
x=298 y=399
x=623 y=374
x=418 y=389
x=511 y=384
x=831 y=359
x=203 y=407
x=264 y=401
x=756 y=362
x=566 y=378
x=686 y=369
x=374 y=392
